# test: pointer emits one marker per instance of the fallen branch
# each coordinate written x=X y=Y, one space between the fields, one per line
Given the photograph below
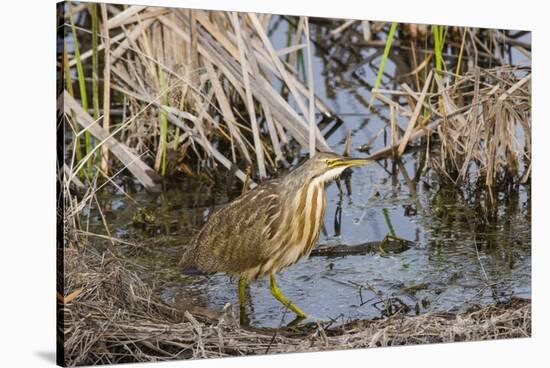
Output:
x=341 y=250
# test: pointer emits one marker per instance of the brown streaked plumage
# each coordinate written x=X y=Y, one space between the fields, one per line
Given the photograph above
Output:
x=268 y=228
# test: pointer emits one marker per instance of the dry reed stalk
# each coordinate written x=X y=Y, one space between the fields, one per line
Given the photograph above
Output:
x=342 y=27
x=290 y=50
x=311 y=114
x=415 y=115
x=394 y=138
x=106 y=86
x=120 y=18
x=367 y=34
x=87 y=54
x=139 y=169
x=483 y=128
x=285 y=75
x=134 y=61
x=200 y=53
x=249 y=102
x=256 y=70
x=284 y=114
x=75 y=181
x=227 y=112
x=193 y=53
x=130 y=37
x=295 y=35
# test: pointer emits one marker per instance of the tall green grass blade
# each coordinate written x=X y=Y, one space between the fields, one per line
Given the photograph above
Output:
x=176 y=138
x=82 y=87
x=435 y=31
x=302 y=65
x=163 y=121
x=67 y=70
x=439 y=35
x=69 y=87
x=389 y=42
x=95 y=66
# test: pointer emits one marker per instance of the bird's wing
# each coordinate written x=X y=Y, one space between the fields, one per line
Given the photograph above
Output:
x=235 y=238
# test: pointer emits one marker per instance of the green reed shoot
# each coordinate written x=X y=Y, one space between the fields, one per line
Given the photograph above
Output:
x=439 y=33
x=302 y=65
x=95 y=76
x=82 y=88
x=389 y=42
x=69 y=87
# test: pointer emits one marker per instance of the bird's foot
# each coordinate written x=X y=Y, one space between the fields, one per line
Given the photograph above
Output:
x=308 y=321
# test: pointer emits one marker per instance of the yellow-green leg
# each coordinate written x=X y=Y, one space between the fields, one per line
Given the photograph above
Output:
x=242 y=286
x=278 y=294
x=242 y=298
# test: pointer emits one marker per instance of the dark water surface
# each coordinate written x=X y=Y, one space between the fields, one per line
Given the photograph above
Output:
x=459 y=258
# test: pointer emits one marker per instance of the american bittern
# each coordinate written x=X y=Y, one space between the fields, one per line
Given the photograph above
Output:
x=269 y=227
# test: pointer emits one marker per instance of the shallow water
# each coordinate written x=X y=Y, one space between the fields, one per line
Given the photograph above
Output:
x=449 y=267
x=459 y=257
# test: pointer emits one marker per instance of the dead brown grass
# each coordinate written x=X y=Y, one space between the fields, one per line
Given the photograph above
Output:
x=114 y=317
x=198 y=83
x=198 y=90
x=481 y=122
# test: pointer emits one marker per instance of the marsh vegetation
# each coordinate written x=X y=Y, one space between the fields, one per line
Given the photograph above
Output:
x=166 y=114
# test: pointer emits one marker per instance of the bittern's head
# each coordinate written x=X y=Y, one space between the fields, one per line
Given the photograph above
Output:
x=325 y=166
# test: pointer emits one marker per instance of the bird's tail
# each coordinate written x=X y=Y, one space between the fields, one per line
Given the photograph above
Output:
x=188 y=267
x=186 y=260
x=187 y=263
x=194 y=271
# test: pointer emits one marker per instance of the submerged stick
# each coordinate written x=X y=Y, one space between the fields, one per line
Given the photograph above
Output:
x=341 y=250
x=388 y=221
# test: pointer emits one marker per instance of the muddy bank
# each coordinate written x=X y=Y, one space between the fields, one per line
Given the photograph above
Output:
x=109 y=315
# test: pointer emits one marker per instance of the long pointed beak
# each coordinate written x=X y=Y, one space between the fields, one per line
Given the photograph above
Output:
x=350 y=161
